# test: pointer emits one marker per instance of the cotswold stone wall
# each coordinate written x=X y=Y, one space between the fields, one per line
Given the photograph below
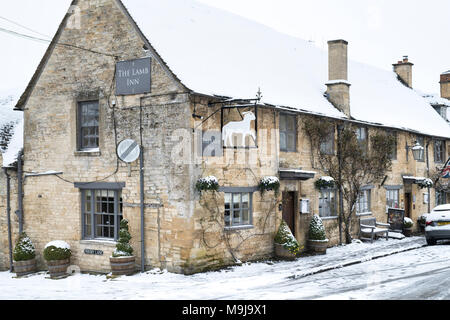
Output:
x=4 y=241
x=52 y=205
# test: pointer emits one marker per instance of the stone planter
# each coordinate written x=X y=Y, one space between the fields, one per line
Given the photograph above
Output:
x=407 y=232
x=122 y=265
x=283 y=253
x=318 y=246
x=23 y=268
x=58 y=268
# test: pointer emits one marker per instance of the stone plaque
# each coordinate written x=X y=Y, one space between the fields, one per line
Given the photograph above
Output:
x=133 y=76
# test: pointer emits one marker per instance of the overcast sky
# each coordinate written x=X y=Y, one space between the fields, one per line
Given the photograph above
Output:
x=379 y=32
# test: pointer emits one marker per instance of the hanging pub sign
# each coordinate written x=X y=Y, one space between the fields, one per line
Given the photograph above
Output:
x=133 y=77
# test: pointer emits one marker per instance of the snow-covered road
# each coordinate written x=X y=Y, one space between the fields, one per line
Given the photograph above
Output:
x=422 y=273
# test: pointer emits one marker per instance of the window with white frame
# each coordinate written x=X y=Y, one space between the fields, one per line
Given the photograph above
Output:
x=392 y=198
x=327 y=203
x=238 y=209
x=363 y=202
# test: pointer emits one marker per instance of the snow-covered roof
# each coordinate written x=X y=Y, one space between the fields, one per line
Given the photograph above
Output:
x=8 y=100
x=219 y=53
x=436 y=100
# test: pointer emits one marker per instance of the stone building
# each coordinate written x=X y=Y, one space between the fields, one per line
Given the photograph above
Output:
x=205 y=93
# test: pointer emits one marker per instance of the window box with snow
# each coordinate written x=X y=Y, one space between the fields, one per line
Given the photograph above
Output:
x=207 y=184
x=268 y=184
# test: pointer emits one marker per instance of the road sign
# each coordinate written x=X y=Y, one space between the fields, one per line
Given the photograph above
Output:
x=128 y=150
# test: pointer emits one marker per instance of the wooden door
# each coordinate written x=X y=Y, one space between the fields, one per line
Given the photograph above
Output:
x=408 y=205
x=289 y=210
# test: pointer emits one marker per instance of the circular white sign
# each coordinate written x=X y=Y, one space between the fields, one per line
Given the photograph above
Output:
x=128 y=150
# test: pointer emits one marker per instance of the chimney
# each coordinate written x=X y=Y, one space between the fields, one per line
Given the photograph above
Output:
x=445 y=85
x=404 y=70
x=338 y=87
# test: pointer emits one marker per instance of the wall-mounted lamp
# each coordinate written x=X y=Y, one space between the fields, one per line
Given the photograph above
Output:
x=417 y=150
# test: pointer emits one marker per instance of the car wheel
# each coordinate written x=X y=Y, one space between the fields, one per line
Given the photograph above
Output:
x=431 y=241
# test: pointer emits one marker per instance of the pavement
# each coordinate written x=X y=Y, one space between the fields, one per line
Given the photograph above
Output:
x=354 y=253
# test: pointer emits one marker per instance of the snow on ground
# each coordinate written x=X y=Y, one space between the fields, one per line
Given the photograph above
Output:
x=263 y=280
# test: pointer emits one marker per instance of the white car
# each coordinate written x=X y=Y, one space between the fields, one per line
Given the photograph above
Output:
x=438 y=224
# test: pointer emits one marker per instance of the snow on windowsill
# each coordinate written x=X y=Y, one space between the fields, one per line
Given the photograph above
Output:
x=104 y=242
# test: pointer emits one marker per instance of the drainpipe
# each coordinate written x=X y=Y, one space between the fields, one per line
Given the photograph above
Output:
x=428 y=175
x=141 y=170
x=341 y=199
x=20 y=191
x=8 y=214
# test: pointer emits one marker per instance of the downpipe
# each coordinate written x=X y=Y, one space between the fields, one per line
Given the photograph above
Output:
x=20 y=191
x=8 y=215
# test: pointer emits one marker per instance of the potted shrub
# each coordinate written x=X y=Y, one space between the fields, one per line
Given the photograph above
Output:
x=407 y=226
x=286 y=246
x=24 y=255
x=122 y=260
x=421 y=221
x=57 y=254
x=317 y=239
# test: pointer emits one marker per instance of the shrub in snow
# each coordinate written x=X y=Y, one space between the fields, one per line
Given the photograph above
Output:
x=422 y=219
x=207 y=184
x=407 y=222
x=325 y=183
x=123 y=247
x=427 y=183
x=269 y=184
x=57 y=250
x=316 y=229
x=285 y=237
x=24 y=249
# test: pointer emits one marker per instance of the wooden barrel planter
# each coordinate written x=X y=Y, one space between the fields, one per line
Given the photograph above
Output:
x=23 y=268
x=58 y=268
x=318 y=246
x=407 y=232
x=122 y=265
x=283 y=253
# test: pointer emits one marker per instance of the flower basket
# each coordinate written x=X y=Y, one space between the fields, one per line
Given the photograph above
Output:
x=207 y=184
x=57 y=254
x=325 y=183
x=122 y=260
x=423 y=184
x=269 y=184
x=24 y=256
x=286 y=246
x=317 y=240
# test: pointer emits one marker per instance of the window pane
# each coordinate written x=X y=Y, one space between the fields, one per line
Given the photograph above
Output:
x=283 y=126
x=290 y=142
x=283 y=142
x=245 y=217
x=88 y=126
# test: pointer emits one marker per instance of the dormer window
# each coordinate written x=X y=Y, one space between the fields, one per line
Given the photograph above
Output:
x=442 y=110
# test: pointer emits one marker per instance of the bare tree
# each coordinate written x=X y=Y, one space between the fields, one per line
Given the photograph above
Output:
x=355 y=164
